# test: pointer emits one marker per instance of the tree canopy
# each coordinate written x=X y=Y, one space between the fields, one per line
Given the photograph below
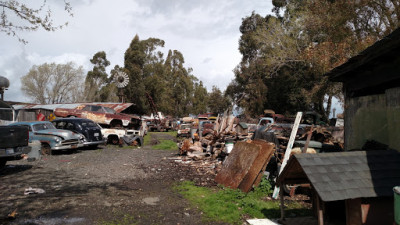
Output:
x=172 y=86
x=285 y=55
x=53 y=83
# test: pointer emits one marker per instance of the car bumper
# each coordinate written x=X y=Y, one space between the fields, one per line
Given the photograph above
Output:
x=94 y=142
x=65 y=147
x=12 y=152
x=184 y=135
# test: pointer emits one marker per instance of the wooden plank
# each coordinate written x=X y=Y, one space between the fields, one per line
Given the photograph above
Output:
x=288 y=149
x=320 y=210
x=244 y=163
x=254 y=175
x=309 y=134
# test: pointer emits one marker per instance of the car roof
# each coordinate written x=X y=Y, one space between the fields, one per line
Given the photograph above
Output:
x=29 y=122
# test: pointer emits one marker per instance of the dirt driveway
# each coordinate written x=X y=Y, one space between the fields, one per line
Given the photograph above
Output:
x=129 y=186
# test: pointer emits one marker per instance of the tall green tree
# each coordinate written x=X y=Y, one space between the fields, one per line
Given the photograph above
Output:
x=96 y=79
x=284 y=56
x=218 y=102
x=200 y=98
x=180 y=82
x=169 y=83
x=139 y=58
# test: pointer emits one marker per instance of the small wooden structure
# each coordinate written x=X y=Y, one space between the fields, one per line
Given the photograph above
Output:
x=360 y=183
x=371 y=84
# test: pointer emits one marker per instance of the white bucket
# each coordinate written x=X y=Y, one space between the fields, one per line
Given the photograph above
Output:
x=228 y=147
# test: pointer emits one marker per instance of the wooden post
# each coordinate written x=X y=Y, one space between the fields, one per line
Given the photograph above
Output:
x=288 y=149
x=309 y=134
x=282 y=205
x=320 y=209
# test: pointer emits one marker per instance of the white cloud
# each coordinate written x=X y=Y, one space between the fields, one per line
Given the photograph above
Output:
x=206 y=32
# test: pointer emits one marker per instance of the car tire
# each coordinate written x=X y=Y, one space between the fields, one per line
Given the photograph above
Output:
x=46 y=149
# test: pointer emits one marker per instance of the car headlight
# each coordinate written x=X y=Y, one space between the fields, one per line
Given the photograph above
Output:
x=58 y=139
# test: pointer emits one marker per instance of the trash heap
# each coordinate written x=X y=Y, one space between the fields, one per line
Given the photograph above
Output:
x=217 y=143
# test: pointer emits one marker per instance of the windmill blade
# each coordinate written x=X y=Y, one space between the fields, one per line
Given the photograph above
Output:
x=121 y=79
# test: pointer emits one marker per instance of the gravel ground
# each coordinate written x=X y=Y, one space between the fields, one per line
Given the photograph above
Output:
x=97 y=186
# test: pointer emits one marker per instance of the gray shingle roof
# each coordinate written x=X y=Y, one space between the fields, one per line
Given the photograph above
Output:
x=346 y=175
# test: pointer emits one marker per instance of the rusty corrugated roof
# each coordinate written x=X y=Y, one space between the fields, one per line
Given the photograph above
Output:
x=118 y=107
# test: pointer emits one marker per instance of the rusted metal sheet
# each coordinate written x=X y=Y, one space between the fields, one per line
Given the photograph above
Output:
x=98 y=116
x=244 y=164
x=117 y=107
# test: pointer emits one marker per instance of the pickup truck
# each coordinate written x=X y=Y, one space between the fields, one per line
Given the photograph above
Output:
x=13 y=143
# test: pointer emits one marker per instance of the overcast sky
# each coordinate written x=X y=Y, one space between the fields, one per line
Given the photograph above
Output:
x=205 y=31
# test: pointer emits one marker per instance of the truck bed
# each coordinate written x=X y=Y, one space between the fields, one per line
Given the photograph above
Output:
x=13 y=136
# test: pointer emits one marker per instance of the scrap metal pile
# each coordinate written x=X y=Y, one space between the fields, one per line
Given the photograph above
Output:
x=209 y=150
x=217 y=142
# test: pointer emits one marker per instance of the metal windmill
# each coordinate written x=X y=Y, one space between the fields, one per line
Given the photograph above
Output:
x=4 y=84
x=121 y=79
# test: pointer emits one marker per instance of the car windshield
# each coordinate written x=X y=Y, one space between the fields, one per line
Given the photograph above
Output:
x=43 y=126
x=88 y=124
x=109 y=110
x=185 y=126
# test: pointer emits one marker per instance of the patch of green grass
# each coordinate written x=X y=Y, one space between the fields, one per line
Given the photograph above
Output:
x=166 y=145
x=147 y=138
x=172 y=133
x=231 y=206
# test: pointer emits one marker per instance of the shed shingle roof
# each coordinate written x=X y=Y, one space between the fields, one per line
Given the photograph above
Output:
x=345 y=175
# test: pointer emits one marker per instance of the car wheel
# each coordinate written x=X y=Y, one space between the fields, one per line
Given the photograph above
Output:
x=46 y=149
x=114 y=140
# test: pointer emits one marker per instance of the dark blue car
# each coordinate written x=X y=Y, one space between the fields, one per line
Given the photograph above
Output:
x=86 y=127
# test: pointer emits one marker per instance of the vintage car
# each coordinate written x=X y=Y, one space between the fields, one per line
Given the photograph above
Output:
x=50 y=137
x=184 y=130
x=86 y=127
x=100 y=114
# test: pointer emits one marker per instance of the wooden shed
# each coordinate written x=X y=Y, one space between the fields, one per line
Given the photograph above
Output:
x=371 y=84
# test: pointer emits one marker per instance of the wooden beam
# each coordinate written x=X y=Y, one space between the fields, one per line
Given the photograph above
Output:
x=320 y=209
x=309 y=134
x=282 y=205
x=288 y=149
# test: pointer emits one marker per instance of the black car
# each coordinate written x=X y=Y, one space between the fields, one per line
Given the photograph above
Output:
x=88 y=128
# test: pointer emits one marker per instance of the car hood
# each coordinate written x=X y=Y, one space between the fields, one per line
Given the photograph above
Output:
x=66 y=134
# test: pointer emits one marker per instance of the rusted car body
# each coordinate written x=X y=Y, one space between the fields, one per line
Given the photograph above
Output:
x=184 y=130
x=100 y=114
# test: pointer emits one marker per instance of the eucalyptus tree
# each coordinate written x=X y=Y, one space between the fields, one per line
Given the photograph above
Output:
x=96 y=79
x=285 y=56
